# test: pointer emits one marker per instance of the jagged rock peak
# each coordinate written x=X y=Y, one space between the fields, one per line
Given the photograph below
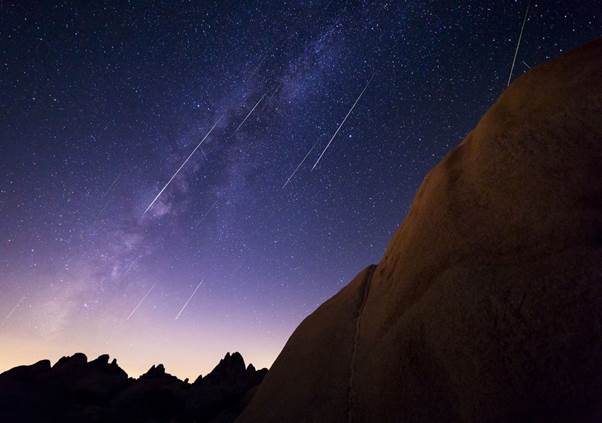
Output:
x=77 y=359
x=230 y=364
x=233 y=360
x=155 y=371
x=102 y=359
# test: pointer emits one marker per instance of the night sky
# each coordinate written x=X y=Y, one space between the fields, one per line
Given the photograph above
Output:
x=100 y=106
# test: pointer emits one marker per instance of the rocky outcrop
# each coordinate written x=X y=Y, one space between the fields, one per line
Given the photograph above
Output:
x=487 y=305
x=75 y=390
x=225 y=388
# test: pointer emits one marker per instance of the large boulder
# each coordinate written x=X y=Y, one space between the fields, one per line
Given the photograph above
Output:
x=487 y=305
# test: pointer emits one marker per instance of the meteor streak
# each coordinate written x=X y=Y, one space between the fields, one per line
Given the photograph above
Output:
x=188 y=300
x=520 y=37
x=210 y=208
x=207 y=212
x=112 y=185
x=249 y=114
x=298 y=166
x=180 y=168
x=106 y=194
x=343 y=122
x=15 y=307
x=140 y=302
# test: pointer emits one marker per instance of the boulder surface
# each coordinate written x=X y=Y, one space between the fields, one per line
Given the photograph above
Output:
x=487 y=305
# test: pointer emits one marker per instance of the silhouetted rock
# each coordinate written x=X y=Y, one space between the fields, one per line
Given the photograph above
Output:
x=155 y=396
x=27 y=372
x=77 y=360
x=221 y=393
x=229 y=371
x=75 y=390
x=487 y=306
x=154 y=372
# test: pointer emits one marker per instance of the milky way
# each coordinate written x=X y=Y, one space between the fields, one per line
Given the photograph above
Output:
x=101 y=105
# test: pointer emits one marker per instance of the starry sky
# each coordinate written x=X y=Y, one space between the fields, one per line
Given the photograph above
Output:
x=101 y=104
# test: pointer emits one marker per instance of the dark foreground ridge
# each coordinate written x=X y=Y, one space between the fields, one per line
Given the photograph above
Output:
x=75 y=390
x=487 y=305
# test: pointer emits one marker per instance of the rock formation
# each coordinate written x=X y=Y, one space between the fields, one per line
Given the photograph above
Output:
x=75 y=390
x=487 y=305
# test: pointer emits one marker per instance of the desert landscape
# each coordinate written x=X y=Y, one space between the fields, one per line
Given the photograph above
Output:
x=184 y=184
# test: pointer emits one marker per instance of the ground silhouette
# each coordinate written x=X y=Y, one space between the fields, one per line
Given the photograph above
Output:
x=75 y=390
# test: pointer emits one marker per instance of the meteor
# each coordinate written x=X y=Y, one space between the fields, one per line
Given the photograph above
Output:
x=188 y=300
x=207 y=212
x=298 y=166
x=249 y=114
x=112 y=185
x=343 y=122
x=520 y=37
x=107 y=192
x=15 y=307
x=152 y=203
x=210 y=208
x=140 y=302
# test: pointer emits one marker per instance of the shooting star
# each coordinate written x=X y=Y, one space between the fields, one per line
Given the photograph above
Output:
x=112 y=185
x=343 y=122
x=526 y=64
x=152 y=203
x=520 y=37
x=207 y=213
x=107 y=192
x=15 y=307
x=140 y=302
x=298 y=166
x=249 y=114
x=188 y=300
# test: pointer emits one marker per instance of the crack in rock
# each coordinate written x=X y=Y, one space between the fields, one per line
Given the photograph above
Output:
x=364 y=295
